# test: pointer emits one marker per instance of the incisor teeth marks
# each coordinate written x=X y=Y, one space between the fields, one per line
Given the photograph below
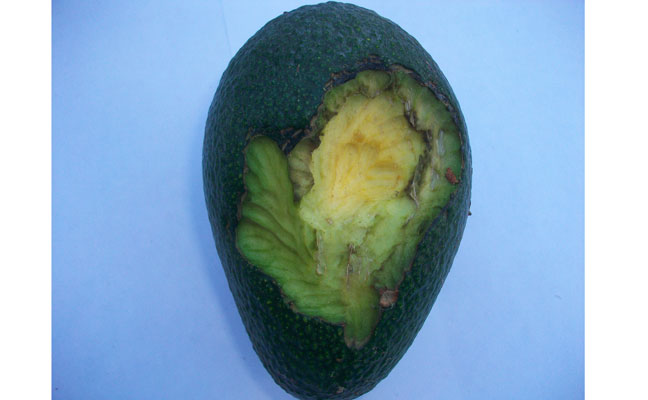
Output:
x=337 y=220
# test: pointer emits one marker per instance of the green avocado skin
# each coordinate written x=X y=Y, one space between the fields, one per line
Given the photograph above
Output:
x=273 y=86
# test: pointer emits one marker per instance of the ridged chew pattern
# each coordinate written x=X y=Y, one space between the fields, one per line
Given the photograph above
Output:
x=273 y=87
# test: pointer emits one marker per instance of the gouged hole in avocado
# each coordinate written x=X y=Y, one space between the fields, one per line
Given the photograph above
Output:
x=336 y=223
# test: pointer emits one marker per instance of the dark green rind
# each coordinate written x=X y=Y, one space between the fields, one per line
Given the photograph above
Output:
x=276 y=82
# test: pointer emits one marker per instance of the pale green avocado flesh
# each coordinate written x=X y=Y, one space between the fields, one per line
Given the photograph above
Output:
x=336 y=222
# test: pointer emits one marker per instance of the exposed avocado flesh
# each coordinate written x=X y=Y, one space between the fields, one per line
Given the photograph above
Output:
x=336 y=223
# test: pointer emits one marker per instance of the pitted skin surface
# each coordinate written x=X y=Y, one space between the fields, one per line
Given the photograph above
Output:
x=274 y=89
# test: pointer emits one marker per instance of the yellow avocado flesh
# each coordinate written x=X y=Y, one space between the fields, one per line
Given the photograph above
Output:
x=337 y=221
x=367 y=156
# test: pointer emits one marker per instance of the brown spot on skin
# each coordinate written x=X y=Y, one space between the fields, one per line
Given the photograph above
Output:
x=388 y=297
x=450 y=176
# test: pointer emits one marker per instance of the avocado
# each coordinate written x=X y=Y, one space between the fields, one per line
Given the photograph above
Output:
x=337 y=174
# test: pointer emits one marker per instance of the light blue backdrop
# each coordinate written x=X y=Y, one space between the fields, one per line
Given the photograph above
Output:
x=141 y=308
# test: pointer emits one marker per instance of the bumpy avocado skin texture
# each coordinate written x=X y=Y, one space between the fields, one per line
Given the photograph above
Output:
x=273 y=86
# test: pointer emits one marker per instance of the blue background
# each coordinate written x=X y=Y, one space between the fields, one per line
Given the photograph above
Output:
x=141 y=307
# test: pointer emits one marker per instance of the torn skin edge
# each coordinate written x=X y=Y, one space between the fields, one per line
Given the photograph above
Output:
x=388 y=297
